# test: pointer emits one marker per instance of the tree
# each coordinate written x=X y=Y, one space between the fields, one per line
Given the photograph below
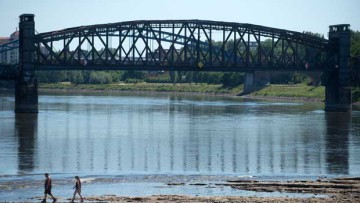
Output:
x=233 y=79
x=172 y=77
x=355 y=57
x=132 y=74
x=51 y=76
x=100 y=77
x=76 y=77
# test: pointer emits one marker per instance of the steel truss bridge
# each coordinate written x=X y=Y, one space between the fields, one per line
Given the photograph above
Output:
x=179 y=45
x=188 y=45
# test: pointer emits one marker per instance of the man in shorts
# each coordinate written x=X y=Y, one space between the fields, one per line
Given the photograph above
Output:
x=48 y=188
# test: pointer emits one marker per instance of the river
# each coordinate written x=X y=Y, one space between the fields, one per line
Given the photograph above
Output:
x=140 y=141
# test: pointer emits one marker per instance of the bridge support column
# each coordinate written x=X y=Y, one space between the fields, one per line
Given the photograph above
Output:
x=26 y=92
x=337 y=88
x=249 y=83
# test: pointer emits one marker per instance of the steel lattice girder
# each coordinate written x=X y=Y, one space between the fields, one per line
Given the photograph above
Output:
x=8 y=46
x=181 y=45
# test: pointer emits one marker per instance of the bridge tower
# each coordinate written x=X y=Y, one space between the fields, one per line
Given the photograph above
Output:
x=338 y=88
x=26 y=92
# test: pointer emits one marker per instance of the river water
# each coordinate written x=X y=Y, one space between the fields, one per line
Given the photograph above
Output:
x=138 y=142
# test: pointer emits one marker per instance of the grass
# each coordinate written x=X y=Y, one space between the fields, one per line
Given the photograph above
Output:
x=299 y=91
x=293 y=91
x=156 y=87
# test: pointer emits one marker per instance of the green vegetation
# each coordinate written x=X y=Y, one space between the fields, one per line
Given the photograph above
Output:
x=355 y=58
x=299 y=91
x=355 y=94
x=156 y=87
x=355 y=43
x=293 y=91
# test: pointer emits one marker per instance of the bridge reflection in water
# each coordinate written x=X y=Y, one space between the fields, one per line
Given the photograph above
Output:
x=179 y=137
x=26 y=132
x=338 y=129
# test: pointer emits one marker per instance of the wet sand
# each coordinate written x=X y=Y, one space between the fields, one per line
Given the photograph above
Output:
x=322 y=190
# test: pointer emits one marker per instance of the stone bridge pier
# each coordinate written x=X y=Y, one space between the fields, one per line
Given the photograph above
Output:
x=26 y=91
x=338 y=87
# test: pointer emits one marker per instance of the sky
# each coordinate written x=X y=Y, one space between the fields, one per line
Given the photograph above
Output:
x=295 y=15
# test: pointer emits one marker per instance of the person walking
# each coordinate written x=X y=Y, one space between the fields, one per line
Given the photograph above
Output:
x=48 y=188
x=77 y=188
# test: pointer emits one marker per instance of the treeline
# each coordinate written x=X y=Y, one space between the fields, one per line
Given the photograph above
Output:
x=355 y=58
x=132 y=76
x=228 y=79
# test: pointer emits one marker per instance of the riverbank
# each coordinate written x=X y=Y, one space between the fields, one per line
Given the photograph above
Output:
x=299 y=92
x=145 y=87
x=287 y=92
x=333 y=190
x=321 y=190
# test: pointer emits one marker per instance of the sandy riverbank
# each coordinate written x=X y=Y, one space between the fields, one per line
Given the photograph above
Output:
x=324 y=190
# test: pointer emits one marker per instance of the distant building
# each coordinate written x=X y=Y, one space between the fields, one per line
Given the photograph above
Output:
x=4 y=39
x=11 y=56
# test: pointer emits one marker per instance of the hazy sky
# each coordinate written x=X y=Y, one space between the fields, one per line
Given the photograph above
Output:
x=296 y=15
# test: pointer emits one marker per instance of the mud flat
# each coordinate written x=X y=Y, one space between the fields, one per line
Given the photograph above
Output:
x=322 y=190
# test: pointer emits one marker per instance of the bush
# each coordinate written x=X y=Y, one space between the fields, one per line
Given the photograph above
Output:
x=233 y=79
x=356 y=94
x=100 y=77
x=157 y=80
x=133 y=81
x=131 y=74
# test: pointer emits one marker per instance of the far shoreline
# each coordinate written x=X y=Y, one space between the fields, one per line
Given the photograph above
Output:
x=193 y=93
x=83 y=89
x=246 y=96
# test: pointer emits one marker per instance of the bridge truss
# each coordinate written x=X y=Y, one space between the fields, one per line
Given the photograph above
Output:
x=189 y=45
x=8 y=46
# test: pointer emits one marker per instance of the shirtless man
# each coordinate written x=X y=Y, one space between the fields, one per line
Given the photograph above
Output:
x=48 y=188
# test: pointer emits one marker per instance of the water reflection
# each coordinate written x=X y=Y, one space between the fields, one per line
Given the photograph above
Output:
x=337 y=140
x=26 y=131
x=172 y=135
